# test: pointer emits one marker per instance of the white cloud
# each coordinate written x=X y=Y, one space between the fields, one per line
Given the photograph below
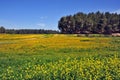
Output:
x=43 y=17
x=41 y=25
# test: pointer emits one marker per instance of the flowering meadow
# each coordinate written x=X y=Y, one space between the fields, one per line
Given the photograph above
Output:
x=59 y=57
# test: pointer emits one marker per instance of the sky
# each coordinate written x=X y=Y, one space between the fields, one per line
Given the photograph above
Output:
x=45 y=14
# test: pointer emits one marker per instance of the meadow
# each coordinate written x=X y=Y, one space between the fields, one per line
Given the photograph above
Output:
x=59 y=57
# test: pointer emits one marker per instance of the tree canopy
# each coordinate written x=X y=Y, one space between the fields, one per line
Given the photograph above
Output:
x=100 y=23
x=27 y=31
x=2 y=29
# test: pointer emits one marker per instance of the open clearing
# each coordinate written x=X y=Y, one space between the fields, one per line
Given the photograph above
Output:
x=59 y=57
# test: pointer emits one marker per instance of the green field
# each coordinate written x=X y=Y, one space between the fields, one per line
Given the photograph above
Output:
x=59 y=57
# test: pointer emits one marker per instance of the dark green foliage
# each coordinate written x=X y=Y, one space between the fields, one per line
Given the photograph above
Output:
x=31 y=31
x=27 y=31
x=2 y=29
x=100 y=23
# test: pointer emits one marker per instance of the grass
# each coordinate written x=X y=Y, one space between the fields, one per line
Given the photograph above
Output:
x=59 y=57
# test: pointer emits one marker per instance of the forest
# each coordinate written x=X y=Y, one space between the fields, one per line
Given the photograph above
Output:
x=94 y=23
x=27 y=31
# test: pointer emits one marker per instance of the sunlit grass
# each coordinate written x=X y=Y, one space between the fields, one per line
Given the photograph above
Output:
x=41 y=42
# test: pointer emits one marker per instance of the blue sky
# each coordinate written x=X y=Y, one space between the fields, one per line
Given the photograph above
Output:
x=44 y=14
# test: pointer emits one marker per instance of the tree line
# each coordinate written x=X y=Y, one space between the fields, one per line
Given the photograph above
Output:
x=94 y=23
x=27 y=31
x=79 y=23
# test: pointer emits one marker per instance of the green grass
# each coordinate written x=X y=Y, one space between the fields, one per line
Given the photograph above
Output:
x=59 y=57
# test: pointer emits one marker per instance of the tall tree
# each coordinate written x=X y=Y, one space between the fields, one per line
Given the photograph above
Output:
x=2 y=29
x=91 y=23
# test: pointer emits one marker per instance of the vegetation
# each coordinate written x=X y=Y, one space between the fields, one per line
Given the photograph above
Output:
x=100 y=23
x=27 y=31
x=2 y=29
x=59 y=57
x=51 y=56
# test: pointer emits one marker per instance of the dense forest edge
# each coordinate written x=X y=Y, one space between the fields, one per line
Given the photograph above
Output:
x=79 y=23
x=27 y=31
x=91 y=23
